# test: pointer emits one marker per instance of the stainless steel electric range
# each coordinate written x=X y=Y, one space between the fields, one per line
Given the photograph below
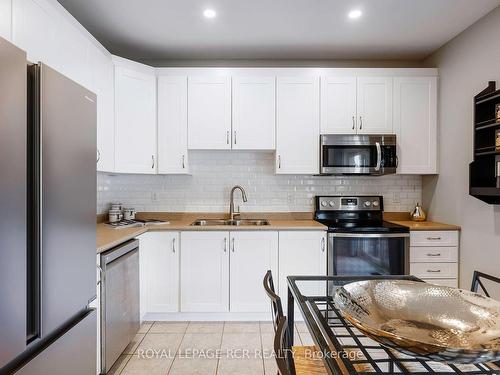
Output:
x=360 y=242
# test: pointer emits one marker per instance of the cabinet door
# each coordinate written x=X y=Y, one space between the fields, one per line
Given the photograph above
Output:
x=159 y=258
x=301 y=253
x=209 y=113
x=252 y=254
x=254 y=101
x=205 y=271
x=415 y=124
x=338 y=105
x=103 y=86
x=135 y=127
x=34 y=29
x=374 y=105
x=5 y=19
x=297 y=126
x=172 y=125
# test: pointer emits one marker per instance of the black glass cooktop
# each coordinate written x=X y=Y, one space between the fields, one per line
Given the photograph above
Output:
x=335 y=226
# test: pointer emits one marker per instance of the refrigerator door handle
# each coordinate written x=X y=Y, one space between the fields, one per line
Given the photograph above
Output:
x=34 y=258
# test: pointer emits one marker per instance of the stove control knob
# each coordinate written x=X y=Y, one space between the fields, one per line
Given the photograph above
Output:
x=332 y=203
x=368 y=203
x=375 y=204
x=324 y=204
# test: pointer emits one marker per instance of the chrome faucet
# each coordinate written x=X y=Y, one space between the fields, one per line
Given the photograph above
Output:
x=232 y=214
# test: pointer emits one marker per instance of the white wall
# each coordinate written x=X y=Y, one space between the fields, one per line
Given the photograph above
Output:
x=215 y=172
x=466 y=64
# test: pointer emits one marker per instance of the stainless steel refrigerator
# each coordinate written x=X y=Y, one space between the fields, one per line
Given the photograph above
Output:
x=47 y=220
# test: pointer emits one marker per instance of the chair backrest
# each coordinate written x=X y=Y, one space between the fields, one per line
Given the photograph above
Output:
x=276 y=307
x=282 y=355
x=477 y=282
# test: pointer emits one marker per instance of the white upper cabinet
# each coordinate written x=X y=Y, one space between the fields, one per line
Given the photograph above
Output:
x=297 y=125
x=254 y=101
x=205 y=271
x=103 y=86
x=252 y=254
x=338 y=105
x=135 y=120
x=172 y=125
x=415 y=124
x=374 y=105
x=34 y=29
x=209 y=113
x=5 y=19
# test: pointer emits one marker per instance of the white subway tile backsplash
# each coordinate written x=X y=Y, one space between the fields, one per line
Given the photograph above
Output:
x=213 y=173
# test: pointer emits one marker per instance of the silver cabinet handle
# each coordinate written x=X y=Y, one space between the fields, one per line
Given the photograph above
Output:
x=279 y=161
x=232 y=244
x=235 y=137
x=360 y=122
x=227 y=137
x=379 y=156
x=323 y=244
x=225 y=244
x=433 y=271
x=353 y=122
x=98 y=156
x=433 y=238
x=173 y=245
x=434 y=255
x=152 y=161
x=183 y=162
x=101 y=274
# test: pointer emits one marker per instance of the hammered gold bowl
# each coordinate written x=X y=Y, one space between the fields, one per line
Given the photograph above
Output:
x=422 y=320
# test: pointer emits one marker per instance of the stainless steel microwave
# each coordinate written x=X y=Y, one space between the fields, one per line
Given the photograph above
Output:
x=347 y=154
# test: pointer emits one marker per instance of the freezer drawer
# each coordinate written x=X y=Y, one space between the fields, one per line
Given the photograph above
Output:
x=74 y=352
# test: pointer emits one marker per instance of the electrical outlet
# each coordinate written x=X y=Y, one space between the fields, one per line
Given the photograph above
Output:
x=290 y=199
x=154 y=196
x=396 y=198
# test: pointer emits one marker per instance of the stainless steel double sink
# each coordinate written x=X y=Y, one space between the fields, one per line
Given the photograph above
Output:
x=236 y=222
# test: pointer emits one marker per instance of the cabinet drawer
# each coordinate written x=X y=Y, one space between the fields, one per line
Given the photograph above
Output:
x=434 y=270
x=433 y=254
x=434 y=238
x=453 y=283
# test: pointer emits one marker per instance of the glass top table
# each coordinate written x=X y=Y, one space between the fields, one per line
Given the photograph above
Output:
x=344 y=349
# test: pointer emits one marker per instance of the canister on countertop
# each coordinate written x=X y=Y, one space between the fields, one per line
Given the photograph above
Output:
x=129 y=213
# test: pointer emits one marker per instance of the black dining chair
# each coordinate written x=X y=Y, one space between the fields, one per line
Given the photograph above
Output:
x=301 y=360
x=276 y=307
x=280 y=351
x=477 y=281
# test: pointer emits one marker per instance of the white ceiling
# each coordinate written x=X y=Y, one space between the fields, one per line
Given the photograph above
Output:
x=276 y=29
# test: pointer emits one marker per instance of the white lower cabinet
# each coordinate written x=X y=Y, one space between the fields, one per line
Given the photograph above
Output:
x=205 y=271
x=159 y=272
x=301 y=253
x=434 y=256
x=252 y=254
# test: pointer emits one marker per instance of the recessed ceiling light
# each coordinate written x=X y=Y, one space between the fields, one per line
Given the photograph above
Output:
x=355 y=13
x=209 y=13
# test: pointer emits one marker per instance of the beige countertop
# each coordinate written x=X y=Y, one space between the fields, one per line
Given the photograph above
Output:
x=108 y=237
x=425 y=225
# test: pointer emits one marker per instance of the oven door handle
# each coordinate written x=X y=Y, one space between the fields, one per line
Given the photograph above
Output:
x=370 y=235
x=379 y=156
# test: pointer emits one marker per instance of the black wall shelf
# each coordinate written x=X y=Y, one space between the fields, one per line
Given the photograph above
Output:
x=484 y=183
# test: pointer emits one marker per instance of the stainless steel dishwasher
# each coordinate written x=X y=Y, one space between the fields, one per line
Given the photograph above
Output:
x=119 y=301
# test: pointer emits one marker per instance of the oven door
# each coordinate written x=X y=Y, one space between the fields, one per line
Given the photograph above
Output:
x=358 y=154
x=363 y=254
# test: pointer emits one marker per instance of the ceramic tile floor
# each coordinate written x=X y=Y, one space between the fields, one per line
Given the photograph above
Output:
x=165 y=348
